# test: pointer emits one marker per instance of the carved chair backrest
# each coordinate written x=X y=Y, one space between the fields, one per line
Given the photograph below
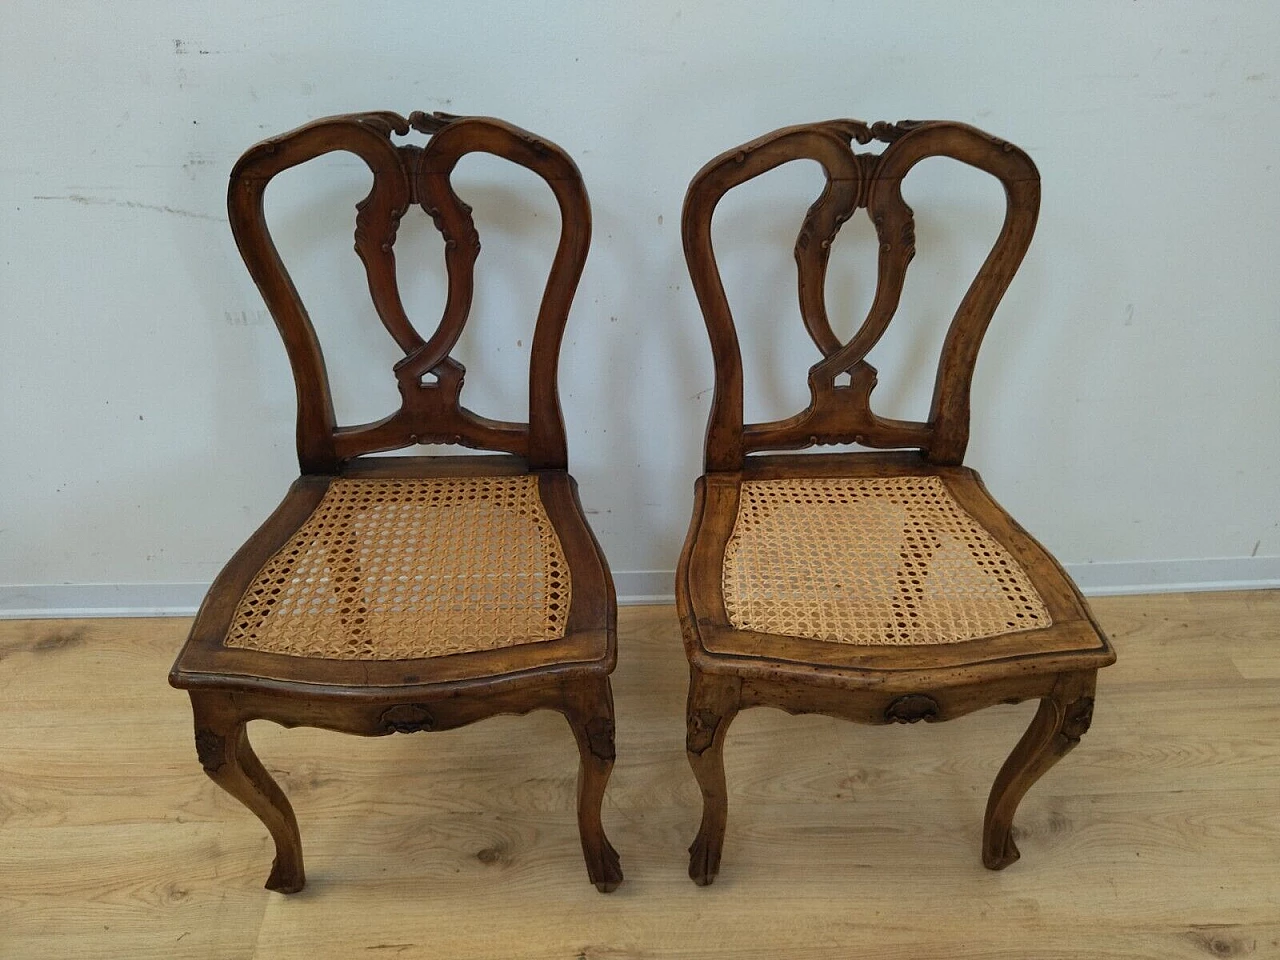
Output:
x=841 y=413
x=429 y=379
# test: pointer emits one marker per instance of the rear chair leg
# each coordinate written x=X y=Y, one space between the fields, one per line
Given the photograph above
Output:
x=589 y=710
x=1063 y=718
x=223 y=747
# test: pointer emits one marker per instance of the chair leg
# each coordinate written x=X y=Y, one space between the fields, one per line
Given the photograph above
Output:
x=589 y=710
x=713 y=703
x=1059 y=723
x=222 y=744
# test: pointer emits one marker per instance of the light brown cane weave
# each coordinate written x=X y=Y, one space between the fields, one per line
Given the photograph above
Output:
x=871 y=562
x=403 y=569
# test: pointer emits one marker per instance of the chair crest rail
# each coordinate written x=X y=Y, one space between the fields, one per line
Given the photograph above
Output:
x=837 y=412
x=429 y=379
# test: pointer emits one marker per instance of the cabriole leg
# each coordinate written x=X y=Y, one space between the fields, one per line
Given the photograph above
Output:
x=222 y=744
x=589 y=710
x=713 y=703
x=1061 y=721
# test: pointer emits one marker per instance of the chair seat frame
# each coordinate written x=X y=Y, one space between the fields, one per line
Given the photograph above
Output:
x=231 y=687
x=732 y=670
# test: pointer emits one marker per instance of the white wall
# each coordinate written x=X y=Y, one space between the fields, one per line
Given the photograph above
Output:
x=1126 y=404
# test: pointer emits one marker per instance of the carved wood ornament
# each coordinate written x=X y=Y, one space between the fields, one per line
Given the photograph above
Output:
x=429 y=379
x=840 y=413
x=872 y=674
x=1079 y=717
x=211 y=750
x=407 y=718
x=912 y=708
x=600 y=738
x=377 y=691
x=702 y=731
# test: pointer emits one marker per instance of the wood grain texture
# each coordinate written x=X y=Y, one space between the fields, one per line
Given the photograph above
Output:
x=768 y=659
x=1162 y=842
x=231 y=685
x=842 y=413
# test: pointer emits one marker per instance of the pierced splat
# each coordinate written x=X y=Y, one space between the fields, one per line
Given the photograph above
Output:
x=840 y=384
x=429 y=380
x=814 y=584
x=528 y=618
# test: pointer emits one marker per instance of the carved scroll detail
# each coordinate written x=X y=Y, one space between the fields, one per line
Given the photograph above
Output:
x=432 y=122
x=857 y=180
x=385 y=122
x=881 y=130
x=407 y=718
x=366 y=214
x=211 y=749
x=1078 y=718
x=703 y=725
x=471 y=236
x=600 y=738
x=406 y=174
x=912 y=708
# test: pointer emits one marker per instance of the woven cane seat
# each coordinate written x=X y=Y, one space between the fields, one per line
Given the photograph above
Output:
x=398 y=569
x=871 y=561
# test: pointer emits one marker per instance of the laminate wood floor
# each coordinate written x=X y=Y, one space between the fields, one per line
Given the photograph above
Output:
x=1158 y=837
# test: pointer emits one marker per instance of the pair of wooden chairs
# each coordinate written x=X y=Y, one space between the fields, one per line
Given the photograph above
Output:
x=395 y=595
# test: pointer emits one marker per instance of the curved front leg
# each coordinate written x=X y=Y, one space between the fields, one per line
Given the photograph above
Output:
x=1057 y=727
x=223 y=747
x=713 y=703
x=589 y=710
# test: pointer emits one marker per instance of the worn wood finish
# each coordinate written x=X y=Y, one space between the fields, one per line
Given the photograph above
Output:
x=733 y=669
x=842 y=413
x=230 y=686
x=1158 y=839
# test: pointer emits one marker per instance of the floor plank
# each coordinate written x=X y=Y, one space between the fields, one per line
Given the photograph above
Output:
x=1159 y=837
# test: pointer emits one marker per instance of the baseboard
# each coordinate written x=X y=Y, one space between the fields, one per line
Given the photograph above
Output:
x=71 y=600
x=1175 y=576
x=638 y=587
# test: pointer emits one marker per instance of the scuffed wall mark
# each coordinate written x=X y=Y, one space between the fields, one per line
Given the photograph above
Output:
x=193 y=161
x=245 y=318
x=1255 y=548
x=132 y=205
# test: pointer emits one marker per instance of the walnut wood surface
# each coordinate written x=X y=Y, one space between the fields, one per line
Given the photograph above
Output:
x=230 y=686
x=732 y=669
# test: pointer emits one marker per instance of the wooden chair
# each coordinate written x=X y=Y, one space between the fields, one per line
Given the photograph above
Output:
x=882 y=587
x=394 y=595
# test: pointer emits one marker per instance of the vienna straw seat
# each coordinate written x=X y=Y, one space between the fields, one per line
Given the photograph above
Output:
x=407 y=580
x=882 y=586
x=410 y=569
x=403 y=594
x=870 y=561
